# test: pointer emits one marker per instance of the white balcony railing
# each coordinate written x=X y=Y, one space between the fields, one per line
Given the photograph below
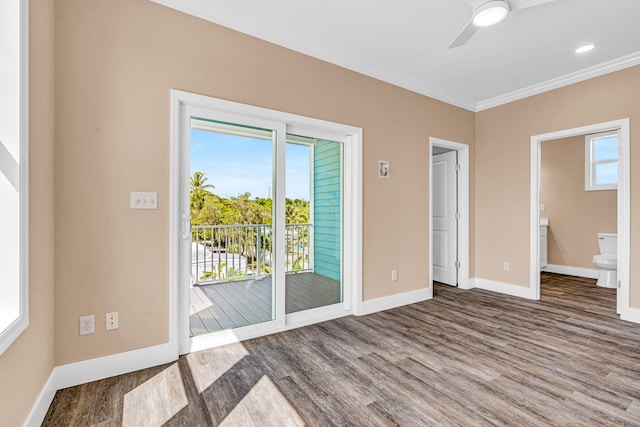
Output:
x=223 y=253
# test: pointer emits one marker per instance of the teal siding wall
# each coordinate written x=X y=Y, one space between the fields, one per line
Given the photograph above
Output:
x=327 y=209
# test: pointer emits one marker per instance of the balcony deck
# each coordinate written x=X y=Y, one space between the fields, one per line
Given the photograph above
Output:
x=228 y=305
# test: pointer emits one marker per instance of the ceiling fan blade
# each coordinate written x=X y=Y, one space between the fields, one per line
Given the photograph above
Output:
x=523 y=4
x=464 y=35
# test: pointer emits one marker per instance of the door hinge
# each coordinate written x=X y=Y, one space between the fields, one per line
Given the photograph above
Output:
x=457 y=166
x=457 y=264
x=458 y=216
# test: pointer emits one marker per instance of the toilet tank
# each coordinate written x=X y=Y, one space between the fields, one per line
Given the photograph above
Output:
x=608 y=243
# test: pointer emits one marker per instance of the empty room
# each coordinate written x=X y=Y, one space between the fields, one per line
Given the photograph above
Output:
x=329 y=213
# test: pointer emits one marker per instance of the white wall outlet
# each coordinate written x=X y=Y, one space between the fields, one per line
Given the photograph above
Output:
x=111 y=320
x=144 y=200
x=506 y=266
x=87 y=324
x=394 y=275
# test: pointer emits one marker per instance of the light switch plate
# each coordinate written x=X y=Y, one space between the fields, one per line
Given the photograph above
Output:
x=144 y=200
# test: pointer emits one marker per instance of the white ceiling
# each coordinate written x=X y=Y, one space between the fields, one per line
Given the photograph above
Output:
x=404 y=42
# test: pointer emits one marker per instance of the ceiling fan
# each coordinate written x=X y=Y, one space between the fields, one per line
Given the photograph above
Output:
x=491 y=12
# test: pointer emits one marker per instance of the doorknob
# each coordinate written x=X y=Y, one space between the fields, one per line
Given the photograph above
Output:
x=185 y=226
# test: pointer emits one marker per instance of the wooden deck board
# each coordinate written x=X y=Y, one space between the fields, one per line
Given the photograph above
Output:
x=236 y=304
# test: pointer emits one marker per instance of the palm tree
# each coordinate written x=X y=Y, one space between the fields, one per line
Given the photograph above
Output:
x=199 y=188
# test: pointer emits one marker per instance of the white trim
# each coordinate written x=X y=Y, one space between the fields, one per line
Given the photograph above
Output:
x=471 y=283
x=589 y=273
x=505 y=288
x=623 y=205
x=86 y=371
x=393 y=301
x=183 y=105
x=463 y=208
x=558 y=82
x=43 y=402
x=299 y=43
x=334 y=55
x=15 y=329
x=590 y=163
x=631 y=315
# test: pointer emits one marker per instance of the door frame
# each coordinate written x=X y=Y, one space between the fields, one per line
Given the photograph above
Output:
x=350 y=136
x=623 y=208
x=463 y=208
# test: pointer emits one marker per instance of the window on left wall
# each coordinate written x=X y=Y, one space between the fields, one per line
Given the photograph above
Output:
x=14 y=300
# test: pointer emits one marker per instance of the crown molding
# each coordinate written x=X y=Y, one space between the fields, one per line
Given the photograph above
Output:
x=566 y=80
x=298 y=42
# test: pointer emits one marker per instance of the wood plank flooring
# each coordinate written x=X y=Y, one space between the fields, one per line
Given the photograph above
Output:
x=221 y=306
x=465 y=358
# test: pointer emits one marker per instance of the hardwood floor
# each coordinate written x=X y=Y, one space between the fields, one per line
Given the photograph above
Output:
x=470 y=358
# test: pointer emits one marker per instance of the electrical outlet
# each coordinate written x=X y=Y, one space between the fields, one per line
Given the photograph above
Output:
x=506 y=266
x=394 y=275
x=87 y=325
x=111 y=320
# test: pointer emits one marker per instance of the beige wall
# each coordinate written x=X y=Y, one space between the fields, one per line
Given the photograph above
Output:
x=115 y=64
x=26 y=365
x=576 y=215
x=502 y=167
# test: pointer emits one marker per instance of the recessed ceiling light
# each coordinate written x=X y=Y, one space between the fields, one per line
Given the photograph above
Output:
x=490 y=13
x=585 y=48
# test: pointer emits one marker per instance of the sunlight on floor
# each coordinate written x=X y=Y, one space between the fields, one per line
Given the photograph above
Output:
x=198 y=301
x=155 y=401
x=263 y=406
x=209 y=365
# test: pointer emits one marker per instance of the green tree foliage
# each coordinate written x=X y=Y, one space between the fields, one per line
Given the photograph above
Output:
x=199 y=190
x=210 y=209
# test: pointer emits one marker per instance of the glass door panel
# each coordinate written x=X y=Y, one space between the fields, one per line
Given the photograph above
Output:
x=314 y=191
x=232 y=238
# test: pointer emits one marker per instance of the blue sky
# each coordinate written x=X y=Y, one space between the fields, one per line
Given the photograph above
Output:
x=606 y=148
x=237 y=164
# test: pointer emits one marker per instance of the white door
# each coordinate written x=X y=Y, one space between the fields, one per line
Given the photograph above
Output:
x=445 y=233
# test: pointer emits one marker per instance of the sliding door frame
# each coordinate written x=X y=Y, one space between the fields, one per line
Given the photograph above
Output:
x=184 y=105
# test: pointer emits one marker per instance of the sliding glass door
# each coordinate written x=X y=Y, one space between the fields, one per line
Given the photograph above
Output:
x=231 y=211
x=314 y=223
x=261 y=217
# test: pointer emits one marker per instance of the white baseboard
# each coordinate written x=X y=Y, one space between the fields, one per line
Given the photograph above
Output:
x=630 y=314
x=99 y=368
x=589 y=273
x=504 y=288
x=393 y=301
x=468 y=284
x=40 y=408
x=86 y=371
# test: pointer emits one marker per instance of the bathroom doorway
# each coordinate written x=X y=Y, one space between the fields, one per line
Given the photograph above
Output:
x=449 y=213
x=545 y=204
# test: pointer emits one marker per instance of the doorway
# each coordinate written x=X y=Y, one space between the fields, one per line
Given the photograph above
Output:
x=622 y=199
x=449 y=213
x=264 y=218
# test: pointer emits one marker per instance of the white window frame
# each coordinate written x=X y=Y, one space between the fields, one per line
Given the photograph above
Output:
x=590 y=163
x=14 y=329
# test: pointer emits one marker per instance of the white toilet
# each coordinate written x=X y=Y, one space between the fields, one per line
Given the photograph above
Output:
x=607 y=261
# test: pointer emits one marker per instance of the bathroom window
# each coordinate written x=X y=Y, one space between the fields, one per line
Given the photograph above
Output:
x=601 y=161
x=14 y=300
